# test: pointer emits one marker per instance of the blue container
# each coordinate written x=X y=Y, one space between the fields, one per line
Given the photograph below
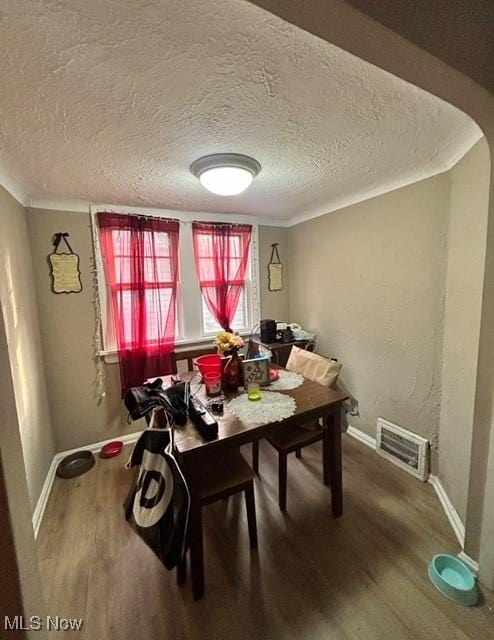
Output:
x=453 y=579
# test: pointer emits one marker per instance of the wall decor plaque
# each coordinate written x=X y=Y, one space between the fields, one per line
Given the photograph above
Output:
x=65 y=274
x=275 y=270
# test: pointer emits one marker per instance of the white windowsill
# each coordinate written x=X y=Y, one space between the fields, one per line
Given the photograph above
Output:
x=111 y=357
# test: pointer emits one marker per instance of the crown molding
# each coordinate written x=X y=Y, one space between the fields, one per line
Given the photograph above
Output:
x=13 y=187
x=83 y=206
x=75 y=206
x=374 y=193
x=344 y=203
x=189 y=216
x=80 y=206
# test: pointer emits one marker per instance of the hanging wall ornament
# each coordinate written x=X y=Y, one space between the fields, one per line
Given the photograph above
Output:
x=275 y=269
x=96 y=267
x=66 y=277
x=99 y=381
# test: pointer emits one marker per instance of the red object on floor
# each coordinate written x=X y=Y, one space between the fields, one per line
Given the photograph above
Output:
x=274 y=375
x=111 y=449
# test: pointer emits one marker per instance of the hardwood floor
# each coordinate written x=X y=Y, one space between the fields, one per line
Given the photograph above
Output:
x=362 y=577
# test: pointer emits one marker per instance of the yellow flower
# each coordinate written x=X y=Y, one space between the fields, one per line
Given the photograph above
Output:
x=225 y=341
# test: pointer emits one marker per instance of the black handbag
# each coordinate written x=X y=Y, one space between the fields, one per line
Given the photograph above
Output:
x=140 y=401
x=157 y=506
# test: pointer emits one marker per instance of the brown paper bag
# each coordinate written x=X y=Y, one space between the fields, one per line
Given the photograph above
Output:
x=314 y=367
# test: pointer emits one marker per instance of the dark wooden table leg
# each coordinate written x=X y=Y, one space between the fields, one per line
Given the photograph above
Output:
x=282 y=480
x=335 y=463
x=255 y=456
x=196 y=550
x=195 y=518
x=325 y=458
x=182 y=571
x=250 y=504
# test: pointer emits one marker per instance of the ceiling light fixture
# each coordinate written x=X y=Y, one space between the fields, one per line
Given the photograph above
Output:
x=226 y=174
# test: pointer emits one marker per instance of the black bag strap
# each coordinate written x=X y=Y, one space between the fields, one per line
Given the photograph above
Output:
x=58 y=237
x=274 y=254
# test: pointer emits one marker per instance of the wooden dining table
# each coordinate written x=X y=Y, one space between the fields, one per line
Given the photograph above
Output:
x=313 y=401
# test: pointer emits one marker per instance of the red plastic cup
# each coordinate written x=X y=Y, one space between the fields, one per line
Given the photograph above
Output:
x=212 y=380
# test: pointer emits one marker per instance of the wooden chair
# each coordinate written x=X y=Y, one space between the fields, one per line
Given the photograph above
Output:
x=219 y=480
x=287 y=441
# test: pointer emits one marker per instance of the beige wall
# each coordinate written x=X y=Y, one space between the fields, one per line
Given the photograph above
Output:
x=340 y=24
x=67 y=331
x=274 y=304
x=348 y=29
x=360 y=278
x=14 y=470
x=18 y=298
x=469 y=200
x=369 y=281
x=67 y=323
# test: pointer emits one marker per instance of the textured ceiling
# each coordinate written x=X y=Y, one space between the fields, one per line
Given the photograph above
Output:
x=109 y=101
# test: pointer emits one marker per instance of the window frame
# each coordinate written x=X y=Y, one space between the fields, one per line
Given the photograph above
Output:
x=189 y=318
x=128 y=285
x=245 y=328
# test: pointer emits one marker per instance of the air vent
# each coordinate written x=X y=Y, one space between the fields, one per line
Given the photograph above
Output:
x=403 y=448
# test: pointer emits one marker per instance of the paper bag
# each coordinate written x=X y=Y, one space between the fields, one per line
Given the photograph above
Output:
x=314 y=367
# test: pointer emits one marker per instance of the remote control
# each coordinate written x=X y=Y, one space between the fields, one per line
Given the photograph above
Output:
x=203 y=420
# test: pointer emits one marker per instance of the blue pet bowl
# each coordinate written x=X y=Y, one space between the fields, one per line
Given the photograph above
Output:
x=453 y=579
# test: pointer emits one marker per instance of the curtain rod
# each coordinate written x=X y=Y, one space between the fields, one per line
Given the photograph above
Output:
x=225 y=224
x=138 y=215
x=201 y=222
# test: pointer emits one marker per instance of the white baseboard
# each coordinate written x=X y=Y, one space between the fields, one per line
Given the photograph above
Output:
x=369 y=441
x=39 y=511
x=449 y=510
x=451 y=513
x=471 y=564
x=44 y=495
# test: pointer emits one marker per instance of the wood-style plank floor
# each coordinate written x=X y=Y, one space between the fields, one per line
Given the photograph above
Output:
x=362 y=577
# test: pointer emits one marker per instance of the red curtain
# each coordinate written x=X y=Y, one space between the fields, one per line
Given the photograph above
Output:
x=221 y=254
x=140 y=255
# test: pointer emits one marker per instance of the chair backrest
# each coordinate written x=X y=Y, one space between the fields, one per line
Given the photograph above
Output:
x=314 y=367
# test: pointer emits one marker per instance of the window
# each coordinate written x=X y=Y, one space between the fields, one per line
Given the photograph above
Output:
x=222 y=253
x=194 y=321
x=240 y=319
x=159 y=285
x=140 y=255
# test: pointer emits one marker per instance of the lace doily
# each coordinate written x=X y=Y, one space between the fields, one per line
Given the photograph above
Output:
x=287 y=380
x=272 y=407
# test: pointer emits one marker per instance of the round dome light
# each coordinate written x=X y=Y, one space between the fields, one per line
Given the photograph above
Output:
x=226 y=174
x=226 y=181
